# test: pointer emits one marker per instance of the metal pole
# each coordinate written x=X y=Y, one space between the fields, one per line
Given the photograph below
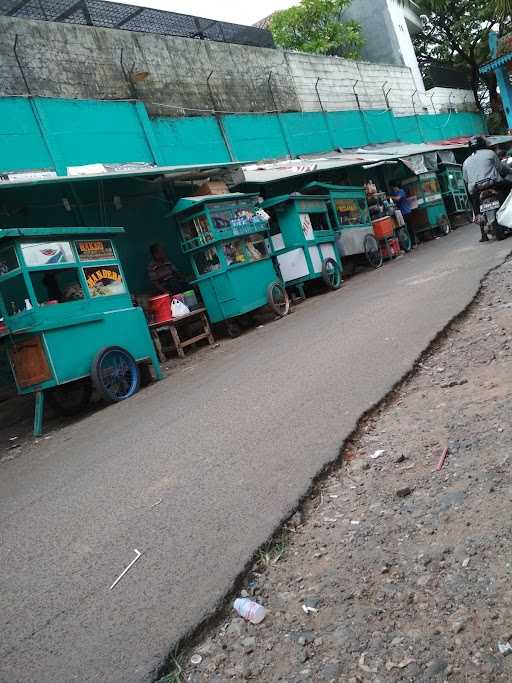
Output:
x=383 y=88
x=276 y=109
x=361 y=113
x=325 y=117
x=218 y=118
x=416 y=115
x=432 y=103
x=18 y=61
x=131 y=86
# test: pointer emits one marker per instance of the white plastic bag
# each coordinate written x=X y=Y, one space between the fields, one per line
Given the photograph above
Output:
x=504 y=215
x=179 y=309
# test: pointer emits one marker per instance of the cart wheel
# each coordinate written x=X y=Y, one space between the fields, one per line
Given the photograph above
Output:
x=404 y=239
x=372 y=251
x=331 y=273
x=233 y=329
x=71 y=398
x=444 y=227
x=115 y=374
x=278 y=299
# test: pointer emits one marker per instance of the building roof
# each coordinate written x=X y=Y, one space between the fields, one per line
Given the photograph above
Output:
x=367 y=157
x=46 y=177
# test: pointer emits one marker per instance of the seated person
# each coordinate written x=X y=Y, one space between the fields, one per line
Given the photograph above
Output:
x=163 y=274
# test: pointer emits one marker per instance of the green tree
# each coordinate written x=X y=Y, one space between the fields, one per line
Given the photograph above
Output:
x=316 y=26
x=456 y=34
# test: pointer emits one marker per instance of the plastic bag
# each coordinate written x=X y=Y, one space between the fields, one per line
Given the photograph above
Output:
x=179 y=309
x=504 y=215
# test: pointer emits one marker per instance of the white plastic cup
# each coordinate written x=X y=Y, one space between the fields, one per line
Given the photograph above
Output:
x=250 y=610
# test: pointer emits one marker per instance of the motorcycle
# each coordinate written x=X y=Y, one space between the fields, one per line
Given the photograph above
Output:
x=491 y=196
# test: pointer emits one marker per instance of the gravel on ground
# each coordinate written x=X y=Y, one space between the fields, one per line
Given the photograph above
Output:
x=398 y=566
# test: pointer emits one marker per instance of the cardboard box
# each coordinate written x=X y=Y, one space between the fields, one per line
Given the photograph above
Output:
x=212 y=187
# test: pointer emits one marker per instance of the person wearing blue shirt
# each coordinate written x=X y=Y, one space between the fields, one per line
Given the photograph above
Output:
x=402 y=203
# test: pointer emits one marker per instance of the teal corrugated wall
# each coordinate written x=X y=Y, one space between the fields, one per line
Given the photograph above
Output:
x=55 y=133
x=84 y=132
x=250 y=132
x=21 y=144
x=189 y=141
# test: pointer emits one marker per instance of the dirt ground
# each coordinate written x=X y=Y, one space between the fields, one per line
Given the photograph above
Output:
x=393 y=570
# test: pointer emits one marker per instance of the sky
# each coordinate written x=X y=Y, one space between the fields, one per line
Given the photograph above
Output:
x=237 y=11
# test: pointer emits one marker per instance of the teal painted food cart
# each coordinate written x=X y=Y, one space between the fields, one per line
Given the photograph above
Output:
x=350 y=217
x=226 y=239
x=303 y=240
x=429 y=213
x=69 y=324
x=453 y=190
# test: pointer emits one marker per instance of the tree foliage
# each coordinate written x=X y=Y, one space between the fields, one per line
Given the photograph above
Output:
x=456 y=34
x=316 y=26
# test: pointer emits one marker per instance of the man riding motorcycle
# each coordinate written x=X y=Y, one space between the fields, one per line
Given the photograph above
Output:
x=484 y=164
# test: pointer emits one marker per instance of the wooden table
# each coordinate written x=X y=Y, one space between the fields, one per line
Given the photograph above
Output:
x=172 y=326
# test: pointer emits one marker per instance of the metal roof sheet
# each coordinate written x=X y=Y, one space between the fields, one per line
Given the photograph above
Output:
x=58 y=232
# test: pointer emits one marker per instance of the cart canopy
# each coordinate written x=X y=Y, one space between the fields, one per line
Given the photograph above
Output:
x=58 y=232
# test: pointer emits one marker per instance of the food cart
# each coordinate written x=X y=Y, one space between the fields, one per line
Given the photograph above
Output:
x=69 y=324
x=351 y=220
x=303 y=240
x=425 y=198
x=226 y=239
x=453 y=190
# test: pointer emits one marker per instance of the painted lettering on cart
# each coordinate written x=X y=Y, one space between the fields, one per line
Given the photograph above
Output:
x=104 y=281
x=93 y=251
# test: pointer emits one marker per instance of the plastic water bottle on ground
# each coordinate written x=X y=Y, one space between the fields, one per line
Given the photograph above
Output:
x=250 y=610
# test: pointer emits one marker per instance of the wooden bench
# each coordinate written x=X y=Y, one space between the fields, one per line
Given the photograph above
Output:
x=172 y=326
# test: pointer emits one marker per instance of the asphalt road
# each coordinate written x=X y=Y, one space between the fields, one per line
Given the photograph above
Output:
x=227 y=445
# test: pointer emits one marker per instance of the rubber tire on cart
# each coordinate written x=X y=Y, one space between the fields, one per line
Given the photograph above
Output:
x=278 y=299
x=119 y=382
x=372 y=251
x=444 y=228
x=404 y=239
x=331 y=273
x=71 y=398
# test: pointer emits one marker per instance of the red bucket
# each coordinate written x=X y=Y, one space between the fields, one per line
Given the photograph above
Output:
x=160 y=308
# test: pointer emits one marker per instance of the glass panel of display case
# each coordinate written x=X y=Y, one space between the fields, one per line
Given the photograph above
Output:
x=57 y=286
x=352 y=211
x=14 y=293
x=207 y=261
x=47 y=253
x=8 y=260
x=104 y=281
x=197 y=229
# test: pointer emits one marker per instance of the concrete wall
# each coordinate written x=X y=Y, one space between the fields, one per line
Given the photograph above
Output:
x=446 y=99
x=341 y=80
x=169 y=74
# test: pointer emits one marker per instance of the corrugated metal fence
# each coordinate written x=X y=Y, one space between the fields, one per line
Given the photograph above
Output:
x=56 y=133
